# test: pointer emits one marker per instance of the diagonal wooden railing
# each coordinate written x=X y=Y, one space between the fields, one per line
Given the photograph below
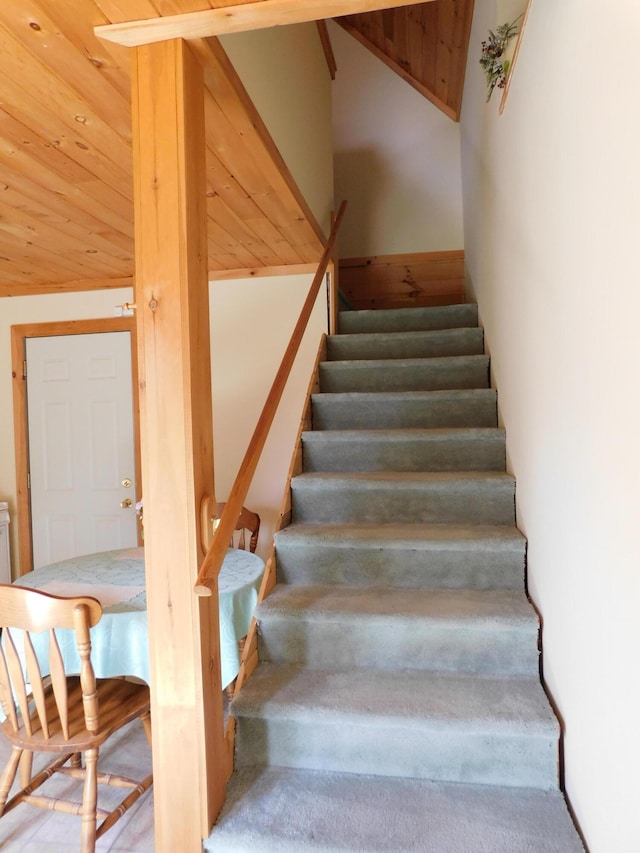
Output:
x=212 y=562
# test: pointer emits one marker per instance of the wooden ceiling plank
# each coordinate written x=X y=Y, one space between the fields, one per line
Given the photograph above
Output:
x=53 y=132
x=399 y=47
x=31 y=289
x=259 y=179
x=101 y=203
x=16 y=264
x=230 y=245
x=38 y=33
x=227 y=186
x=425 y=33
x=34 y=237
x=225 y=86
x=248 y=212
x=26 y=155
x=89 y=233
x=112 y=60
x=28 y=85
x=445 y=51
x=234 y=19
x=226 y=218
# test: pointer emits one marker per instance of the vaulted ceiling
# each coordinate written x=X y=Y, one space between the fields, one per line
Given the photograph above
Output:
x=66 y=187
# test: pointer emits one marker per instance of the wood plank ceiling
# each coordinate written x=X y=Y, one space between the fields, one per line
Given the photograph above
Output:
x=66 y=184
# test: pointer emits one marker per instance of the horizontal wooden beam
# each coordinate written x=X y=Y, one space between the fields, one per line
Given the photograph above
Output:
x=259 y=15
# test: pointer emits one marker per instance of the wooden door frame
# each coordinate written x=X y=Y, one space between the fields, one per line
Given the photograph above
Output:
x=19 y=335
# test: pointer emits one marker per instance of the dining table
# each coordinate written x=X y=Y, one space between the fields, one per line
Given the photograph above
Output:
x=119 y=642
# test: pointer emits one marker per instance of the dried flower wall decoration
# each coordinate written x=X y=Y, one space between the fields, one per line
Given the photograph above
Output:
x=493 y=60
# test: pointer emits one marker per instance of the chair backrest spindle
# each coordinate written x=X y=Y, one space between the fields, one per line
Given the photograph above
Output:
x=28 y=612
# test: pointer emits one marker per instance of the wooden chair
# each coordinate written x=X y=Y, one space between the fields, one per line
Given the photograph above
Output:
x=67 y=716
x=248 y=522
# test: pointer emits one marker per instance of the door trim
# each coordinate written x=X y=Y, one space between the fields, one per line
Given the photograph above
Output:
x=19 y=335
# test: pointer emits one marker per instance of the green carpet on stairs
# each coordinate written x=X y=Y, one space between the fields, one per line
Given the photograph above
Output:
x=397 y=705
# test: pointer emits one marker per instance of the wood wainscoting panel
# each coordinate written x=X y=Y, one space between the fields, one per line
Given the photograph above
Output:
x=404 y=281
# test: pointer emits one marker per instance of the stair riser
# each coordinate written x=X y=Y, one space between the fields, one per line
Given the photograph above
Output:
x=403 y=454
x=407 y=567
x=406 y=345
x=475 y=408
x=418 y=644
x=411 y=375
x=408 y=320
x=464 y=501
x=417 y=751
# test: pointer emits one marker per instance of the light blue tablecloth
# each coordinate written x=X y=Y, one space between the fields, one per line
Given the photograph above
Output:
x=116 y=578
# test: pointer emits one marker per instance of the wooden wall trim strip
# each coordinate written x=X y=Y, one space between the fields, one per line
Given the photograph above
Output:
x=325 y=41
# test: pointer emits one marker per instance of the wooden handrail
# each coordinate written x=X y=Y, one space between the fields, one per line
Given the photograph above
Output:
x=210 y=568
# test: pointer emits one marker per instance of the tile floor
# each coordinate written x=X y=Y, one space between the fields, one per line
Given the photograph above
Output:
x=30 y=830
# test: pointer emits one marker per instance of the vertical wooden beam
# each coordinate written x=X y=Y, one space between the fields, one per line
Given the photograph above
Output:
x=172 y=314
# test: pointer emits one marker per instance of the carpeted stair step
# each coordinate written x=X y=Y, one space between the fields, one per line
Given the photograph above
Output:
x=405 y=374
x=456 y=728
x=404 y=450
x=409 y=497
x=402 y=555
x=281 y=810
x=475 y=407
x=408 y=319
x=379 y=345
x=488 y=632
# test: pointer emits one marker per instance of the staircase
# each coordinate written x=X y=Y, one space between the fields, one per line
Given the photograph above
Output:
x=397 y=705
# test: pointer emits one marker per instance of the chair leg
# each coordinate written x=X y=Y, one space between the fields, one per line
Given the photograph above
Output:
x=8 y=775
x=89 y=802
x=146 y=722
x=26 y=767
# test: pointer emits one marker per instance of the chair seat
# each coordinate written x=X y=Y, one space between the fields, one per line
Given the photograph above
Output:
x=119 y=701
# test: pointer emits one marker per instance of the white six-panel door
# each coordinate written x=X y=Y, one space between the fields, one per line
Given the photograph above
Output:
x=81 y=445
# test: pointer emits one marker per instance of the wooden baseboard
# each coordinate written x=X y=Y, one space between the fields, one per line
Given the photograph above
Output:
x=417 y=279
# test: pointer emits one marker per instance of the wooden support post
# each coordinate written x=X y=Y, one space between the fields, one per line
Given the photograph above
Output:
x=171 y=295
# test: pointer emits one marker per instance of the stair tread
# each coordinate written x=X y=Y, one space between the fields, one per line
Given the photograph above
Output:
x=375 y=536
x=413 y=334
x=461 y=315
x=406 y=344
x=372 y=363
x=424 y=700
x=406 y=434
x=329 y=602
x=310 y=811
x=401 y=477
x=399 y=396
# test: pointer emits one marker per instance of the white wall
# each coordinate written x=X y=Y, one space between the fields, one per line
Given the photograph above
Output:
x=552 y=216
x=245 y=355
x=397 y=160
x=286 y=75
x=246 y=351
